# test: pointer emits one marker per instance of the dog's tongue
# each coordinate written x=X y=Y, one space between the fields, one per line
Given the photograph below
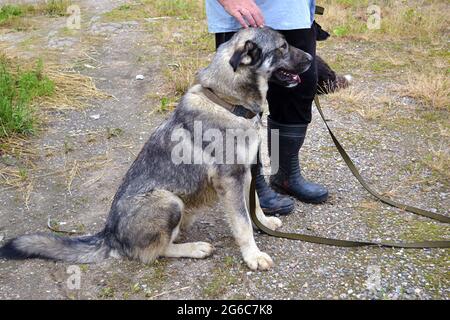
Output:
x=296 y=77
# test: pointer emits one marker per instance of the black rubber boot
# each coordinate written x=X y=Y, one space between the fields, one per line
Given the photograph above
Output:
x=288 y=179
x=270 y=201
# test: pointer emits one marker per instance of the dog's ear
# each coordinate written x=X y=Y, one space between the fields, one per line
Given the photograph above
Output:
x=248 y=55
x=321 y=34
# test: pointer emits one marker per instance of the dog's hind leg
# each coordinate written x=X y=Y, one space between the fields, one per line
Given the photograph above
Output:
x=151 y=224
x=148 y=224
x=233 y=191
x=197 y=250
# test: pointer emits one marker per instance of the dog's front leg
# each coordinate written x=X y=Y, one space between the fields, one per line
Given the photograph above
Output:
x=233 y=191
x=270 y=222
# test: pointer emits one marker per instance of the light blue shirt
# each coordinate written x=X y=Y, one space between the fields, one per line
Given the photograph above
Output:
x=278 y=14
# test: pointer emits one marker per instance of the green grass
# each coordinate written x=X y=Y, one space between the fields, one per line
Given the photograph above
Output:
x=18 y=88
x=56 y=7
x=9 y=12
x=15 y=16
x=182 y=9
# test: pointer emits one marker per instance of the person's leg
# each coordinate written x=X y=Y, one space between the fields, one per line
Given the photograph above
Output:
x=290 y=114
x=271 y=202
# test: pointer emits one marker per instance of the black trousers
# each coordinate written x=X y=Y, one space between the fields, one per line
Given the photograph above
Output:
x=291 y=105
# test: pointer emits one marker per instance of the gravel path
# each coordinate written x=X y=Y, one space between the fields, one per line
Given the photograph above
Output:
x=104 y=139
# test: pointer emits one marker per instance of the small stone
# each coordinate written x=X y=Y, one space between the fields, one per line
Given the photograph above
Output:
x=140 y=77
x=417 y=291
x=305 y=285
x=350 y=291
x=95 y=116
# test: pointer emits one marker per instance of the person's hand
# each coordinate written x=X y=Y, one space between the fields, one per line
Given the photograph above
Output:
x=245 y=11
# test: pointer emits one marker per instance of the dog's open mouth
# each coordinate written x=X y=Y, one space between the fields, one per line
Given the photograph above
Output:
x=291 y=78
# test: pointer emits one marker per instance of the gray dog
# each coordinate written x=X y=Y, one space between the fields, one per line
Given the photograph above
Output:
x=160 y=193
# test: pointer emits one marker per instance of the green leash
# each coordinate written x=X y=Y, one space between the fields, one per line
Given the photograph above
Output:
x=348 y=243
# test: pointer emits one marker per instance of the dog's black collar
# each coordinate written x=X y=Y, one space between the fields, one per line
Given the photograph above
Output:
x=237 y=110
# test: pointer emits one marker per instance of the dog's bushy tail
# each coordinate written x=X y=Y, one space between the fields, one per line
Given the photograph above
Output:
x=87 y=249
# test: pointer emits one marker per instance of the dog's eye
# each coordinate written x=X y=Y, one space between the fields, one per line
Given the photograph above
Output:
x=284 y=46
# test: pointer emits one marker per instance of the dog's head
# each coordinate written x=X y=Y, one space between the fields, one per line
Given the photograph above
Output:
x=266 y=52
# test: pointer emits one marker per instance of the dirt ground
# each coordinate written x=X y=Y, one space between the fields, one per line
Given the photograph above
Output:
x=96 y=145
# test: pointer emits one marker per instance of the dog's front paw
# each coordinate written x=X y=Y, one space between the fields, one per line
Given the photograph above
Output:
x=258 y=261
x=201 y=250
x=273 y=223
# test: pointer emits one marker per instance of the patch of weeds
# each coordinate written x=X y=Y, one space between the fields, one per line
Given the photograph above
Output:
x=106 y=292
x=124 y=7
x=16 y=16
x=422 y=230
x=23 y=173
x=381 y=66
x=351 y=3
x=439 y=163
x=341 y=31
x=127 y=12
x=67 y=32
x=399 y=20
x=68 y=146
x=167 y=104
x=182 y=77
x=431 y=89
x=54 y=7
x=184 y=9
x=84 y=268
x=221 y=279
x=181 y=9
x=361 y=140
x=113 y=132
x=18 y=89
x=9 y=12
x=155 y=281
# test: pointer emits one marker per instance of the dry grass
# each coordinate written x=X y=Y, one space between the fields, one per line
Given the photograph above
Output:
x=432 y=90
x=351 y=96
x=181 y=76
x=180 y=28
x=12 y=177
x=72 y=89
x=425 y=20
